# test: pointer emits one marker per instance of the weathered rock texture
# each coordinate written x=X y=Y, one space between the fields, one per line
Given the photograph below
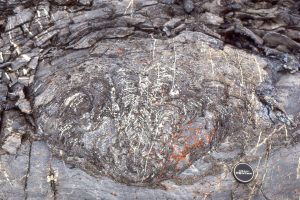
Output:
x=147 y=100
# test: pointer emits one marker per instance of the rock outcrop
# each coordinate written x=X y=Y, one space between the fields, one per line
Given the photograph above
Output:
x=149 y=99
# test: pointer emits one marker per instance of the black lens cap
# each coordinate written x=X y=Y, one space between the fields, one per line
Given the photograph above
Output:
x=243 y=172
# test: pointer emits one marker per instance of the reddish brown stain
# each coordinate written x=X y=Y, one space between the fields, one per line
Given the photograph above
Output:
x=120 y=51
x=188 y=143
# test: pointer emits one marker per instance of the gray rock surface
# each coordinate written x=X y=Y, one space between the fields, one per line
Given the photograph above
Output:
x=139 y=99
x=142 y=112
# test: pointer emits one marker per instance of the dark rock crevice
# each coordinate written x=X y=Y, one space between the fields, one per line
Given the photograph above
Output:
x=27 y=172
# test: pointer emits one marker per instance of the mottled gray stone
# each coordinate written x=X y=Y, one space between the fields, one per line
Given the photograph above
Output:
x=288 y=90
x=170 y=2
x=3 y=92
x=5 y=78
x=13 y=124
x=13 y=174
x=209 y=18
x=282 y=168
x=120 y=111
x=108 y=136
x=21 y=61
x=33 y=63
x=24 y=106
x=102 y=13
x=188 y=5
x=85 y=2
x=24 y=80
x=1 y=58
x=38 y=186
x=20 y=18
x=173 y=23
x=12 y=143
x=42 y=38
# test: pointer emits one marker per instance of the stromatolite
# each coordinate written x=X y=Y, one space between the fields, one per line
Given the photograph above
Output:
x=136 y=112
x=86 y=77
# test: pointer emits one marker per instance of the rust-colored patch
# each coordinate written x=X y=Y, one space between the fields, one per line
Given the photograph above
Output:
x=187 y=143
x=186 y=146
x=198 y=131
x=120 y=51
x=191 y=129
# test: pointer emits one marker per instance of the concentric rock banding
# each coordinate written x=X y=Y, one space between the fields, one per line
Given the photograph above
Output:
x=47 y=46
x=140 y=114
